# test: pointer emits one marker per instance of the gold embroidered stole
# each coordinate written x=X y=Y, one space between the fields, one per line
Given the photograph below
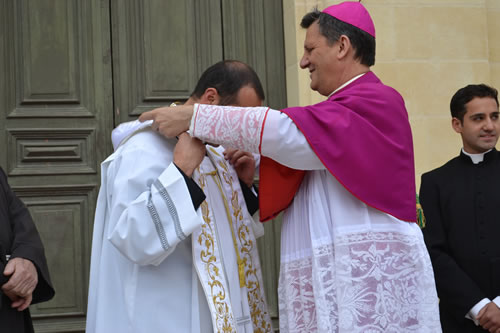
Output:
x=208 y=263
x=245 y=242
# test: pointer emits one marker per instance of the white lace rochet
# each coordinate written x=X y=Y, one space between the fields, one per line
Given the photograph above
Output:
x=345 y=267
x=365 y=282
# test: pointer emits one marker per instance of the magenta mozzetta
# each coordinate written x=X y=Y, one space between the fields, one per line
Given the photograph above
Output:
x=371 y=150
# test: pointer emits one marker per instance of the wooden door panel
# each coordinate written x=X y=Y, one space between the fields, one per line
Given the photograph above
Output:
x=48 y=59
x=59 y=221
x=160 y=47
x=56 y=119
x=61 y=213
x=41 y=52
x=253 y=33
x=52 y=151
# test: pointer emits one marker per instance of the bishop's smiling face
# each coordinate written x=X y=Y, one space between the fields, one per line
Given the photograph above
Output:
x=480 y=126
x=321 y=61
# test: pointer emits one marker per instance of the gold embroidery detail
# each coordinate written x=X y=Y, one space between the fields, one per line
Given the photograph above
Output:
x=240 y=262
x=208 y=256
x=258 y=308
x=214 y=151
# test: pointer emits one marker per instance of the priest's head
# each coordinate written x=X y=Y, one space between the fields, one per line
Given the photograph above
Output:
x=339 y=45
x=228 y=82
x=475 y=116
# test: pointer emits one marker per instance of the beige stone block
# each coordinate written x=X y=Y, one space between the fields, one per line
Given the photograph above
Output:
x=493 y=16
x=449 y=77
x=290 y=33
x=305 y=92
x=427 y=87
x=412 y=33
x=308 y=5
x=300 y=33
x=383 y=18
x=292 y=85
x=441 y=33
x=495 y=75
x=290 y=52
x=492 y=4
x=458 y=33
x=434 y=143
x=288 y=4
x=398 y=75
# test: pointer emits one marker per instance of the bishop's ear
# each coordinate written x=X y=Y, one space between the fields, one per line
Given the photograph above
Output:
x=344 y=46
x=210 y=96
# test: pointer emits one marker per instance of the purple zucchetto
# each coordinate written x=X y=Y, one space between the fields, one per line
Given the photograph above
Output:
x=353 y=13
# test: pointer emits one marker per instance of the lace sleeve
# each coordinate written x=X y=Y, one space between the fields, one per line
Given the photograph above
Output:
x=231 y=126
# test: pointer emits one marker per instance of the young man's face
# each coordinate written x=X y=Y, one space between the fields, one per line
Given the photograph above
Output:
x=480 y=127
x=321 y=61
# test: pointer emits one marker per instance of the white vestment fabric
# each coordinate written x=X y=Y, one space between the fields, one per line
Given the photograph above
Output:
x=345 y=267
x=158 y=265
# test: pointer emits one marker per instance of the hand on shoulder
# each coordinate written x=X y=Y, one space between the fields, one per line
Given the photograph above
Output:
x=188 y=153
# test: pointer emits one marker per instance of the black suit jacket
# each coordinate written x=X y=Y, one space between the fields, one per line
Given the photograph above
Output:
x=461 y=203
x=19 y=238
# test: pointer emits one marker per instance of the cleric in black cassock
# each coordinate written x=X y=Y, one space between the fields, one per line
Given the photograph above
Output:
x=19 y=241
x=461 y=202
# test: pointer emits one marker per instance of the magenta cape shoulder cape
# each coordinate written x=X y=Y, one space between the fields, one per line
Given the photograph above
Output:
x=363 y=137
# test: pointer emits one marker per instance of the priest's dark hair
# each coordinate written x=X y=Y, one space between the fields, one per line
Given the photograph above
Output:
x=228 y=77
x=468 y=93
x=332 y=28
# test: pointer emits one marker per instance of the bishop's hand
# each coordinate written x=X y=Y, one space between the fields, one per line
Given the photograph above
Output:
x=169 y=121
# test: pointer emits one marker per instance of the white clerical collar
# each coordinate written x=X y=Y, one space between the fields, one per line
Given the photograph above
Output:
x=476 y=158
x=348 y=82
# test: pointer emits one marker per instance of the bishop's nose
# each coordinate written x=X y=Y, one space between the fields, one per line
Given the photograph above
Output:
x=304 y=62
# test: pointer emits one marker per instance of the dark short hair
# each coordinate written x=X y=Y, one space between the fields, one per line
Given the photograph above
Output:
x=468 y=93
x=228 y=77
x=332 y=28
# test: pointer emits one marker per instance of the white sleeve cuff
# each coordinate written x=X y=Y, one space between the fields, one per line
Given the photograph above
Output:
x=171 y=196
x=193 y=118
x=472 y=314
x=497 y=301
x=151 y=226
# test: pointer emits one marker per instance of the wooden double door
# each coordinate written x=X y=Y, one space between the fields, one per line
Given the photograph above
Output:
x=71 y=70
